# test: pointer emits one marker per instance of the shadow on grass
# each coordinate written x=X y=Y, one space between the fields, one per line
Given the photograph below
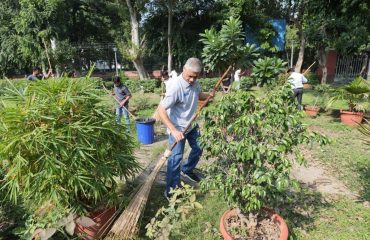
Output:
x=363 y=170
x=155 y=202
x=299 y=212
x=334 y=113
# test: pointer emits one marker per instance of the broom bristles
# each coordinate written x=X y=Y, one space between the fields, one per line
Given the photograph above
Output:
x=126 y=225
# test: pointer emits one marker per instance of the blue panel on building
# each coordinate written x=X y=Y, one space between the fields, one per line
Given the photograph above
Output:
x=279 y=40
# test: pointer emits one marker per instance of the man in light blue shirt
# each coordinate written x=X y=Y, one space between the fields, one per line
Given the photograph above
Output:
x=176 y=111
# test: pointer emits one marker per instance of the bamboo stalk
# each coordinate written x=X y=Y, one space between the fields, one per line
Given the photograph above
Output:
x=126 y=225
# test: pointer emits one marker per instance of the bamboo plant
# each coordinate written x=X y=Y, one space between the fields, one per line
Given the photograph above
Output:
x=61 y=150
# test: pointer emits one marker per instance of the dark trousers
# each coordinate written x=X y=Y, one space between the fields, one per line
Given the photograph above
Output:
x=298 y=93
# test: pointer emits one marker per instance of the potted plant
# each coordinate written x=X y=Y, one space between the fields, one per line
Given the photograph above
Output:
x=61 y=153
x=365 y=130
x=321 y=97
x=312 y=111
x=250 y=140
x=356 y=96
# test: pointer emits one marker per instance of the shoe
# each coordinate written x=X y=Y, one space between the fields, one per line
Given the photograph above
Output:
x=191 y=176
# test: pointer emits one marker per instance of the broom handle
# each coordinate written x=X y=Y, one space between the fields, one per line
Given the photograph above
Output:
x=203 y=105
x=309 y=68
x=47 y=53
x=132 y=115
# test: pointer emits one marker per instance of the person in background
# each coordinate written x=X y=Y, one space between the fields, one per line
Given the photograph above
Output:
x=176 y=111
x=122 y=94
x=38 y=75
x=173 y=74
x=237 y=75
x=165 y=80
x=296 y=80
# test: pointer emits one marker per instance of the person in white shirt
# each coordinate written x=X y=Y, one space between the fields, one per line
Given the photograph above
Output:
x=237 y=75
x=173 y=74
x=168 y=79
x=296 y=80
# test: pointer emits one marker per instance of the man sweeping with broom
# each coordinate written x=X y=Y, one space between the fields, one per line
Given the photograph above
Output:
x=176 y=111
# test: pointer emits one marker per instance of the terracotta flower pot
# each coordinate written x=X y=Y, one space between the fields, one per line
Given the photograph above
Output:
x=103 y=220
x=351 y=118
x=311 y=111
x=284 y=232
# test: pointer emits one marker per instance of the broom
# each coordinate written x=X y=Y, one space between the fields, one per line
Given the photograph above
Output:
x=126 y=225
x=131 y=115
x=47 y=54
x=308 y=69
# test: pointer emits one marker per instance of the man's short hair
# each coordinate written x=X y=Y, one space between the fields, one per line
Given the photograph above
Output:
x=193 y=64
x=35 y=68
x=290 y=70
x=116 y=79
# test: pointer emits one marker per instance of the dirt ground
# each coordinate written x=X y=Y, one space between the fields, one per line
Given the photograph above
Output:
x=316 y=177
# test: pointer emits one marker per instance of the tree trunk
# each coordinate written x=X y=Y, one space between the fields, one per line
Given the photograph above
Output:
x=321 y=55
x=363 y=72
x=135 y=39
x=302 y=45
x=169 y=34
x=302 y=39
x=53 y=43
x=140 y=69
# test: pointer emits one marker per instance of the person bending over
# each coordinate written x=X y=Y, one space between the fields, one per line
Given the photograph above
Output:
x=176 y=110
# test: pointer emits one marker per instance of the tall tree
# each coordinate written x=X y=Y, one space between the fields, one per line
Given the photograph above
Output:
x=190 y=17
x=136 y=46
x=70 y=24
x=170 y=6
x=34 y=27
x=342 y=25
x=298 y=20
x=9 y=58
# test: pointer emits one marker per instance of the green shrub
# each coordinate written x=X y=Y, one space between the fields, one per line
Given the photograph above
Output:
x=246 y=83
x=148 y=85
x=18 y=84
x=253 y=140
x=168 y=221
x=312 y=78
x=207 y=84
x=266 y=70
x=227 y=46
x=61 y=150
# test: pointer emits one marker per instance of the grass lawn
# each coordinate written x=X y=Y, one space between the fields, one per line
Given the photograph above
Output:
x=309 y=216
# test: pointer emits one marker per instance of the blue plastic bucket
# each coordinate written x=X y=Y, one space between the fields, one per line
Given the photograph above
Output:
x=145 y=130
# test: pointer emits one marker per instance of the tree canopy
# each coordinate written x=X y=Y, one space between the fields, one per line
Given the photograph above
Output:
x=26 y=26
